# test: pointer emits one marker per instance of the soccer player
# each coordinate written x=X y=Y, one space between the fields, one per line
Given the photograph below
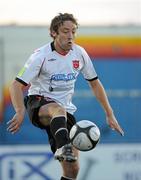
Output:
x=51 y=72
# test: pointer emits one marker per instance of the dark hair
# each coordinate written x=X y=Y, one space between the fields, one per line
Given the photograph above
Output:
x=58 y=20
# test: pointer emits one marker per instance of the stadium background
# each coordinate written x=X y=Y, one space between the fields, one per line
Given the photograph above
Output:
x=116 y=54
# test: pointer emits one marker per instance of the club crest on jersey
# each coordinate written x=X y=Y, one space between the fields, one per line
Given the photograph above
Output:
x=75 y=64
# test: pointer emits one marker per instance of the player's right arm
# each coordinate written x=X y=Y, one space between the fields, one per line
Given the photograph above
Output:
x=28 y=72
x=16 y=94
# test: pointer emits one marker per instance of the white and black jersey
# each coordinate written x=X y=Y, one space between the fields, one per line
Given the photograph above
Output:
x=53 y=75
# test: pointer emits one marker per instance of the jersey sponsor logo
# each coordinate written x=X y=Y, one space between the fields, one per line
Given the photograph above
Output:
x=63 y=77
x=75 y=64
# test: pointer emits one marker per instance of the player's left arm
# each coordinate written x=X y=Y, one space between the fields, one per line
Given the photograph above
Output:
x=101 y=96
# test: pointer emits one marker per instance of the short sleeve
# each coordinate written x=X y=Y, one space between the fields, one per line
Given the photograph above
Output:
x=88 y=69
x=31 y=68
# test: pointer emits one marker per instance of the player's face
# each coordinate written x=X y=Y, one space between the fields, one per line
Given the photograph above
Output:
x=64 y=39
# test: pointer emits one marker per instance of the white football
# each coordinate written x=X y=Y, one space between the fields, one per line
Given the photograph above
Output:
x=84 y=135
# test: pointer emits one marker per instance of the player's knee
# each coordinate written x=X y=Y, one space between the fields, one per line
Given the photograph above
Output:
x=44 y=116
x=44 y=120
x=56 y=110
x=48 y=111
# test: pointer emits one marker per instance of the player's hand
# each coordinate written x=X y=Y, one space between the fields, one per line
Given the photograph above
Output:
x=15 y=123
x=113 y=123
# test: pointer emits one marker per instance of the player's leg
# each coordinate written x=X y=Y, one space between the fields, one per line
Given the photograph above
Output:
x=44 y=113
x=54 y=115
x=70 y=169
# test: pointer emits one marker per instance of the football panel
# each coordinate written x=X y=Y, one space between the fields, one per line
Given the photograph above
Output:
x=73 y=131
x=94 y=133
x=85 y=123
x=82 y=142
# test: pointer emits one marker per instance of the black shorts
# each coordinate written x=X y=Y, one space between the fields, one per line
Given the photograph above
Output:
x=33 y=104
